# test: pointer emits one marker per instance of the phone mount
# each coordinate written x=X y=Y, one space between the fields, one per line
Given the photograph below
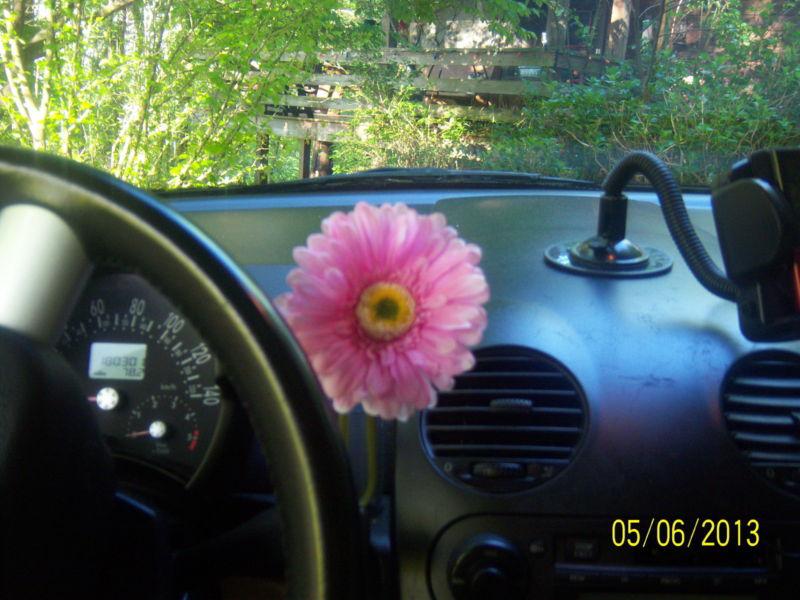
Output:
x=757 y=215
x=609 y=253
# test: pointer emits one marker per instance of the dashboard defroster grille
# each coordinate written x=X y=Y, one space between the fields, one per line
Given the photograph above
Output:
x=761 y=404
x=511 y=423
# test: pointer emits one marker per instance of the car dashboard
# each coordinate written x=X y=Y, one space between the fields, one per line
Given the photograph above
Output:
x=617 y=438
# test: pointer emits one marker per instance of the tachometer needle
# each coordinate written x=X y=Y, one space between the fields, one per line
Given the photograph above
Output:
x=157 y=430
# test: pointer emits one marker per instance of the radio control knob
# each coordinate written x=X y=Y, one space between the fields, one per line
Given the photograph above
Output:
x=488 y=567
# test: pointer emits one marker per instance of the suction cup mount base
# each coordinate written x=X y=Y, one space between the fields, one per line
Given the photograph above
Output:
x=609 y=253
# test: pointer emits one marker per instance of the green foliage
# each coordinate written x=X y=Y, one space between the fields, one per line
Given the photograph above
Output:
x=161 y=93
x=403 y=133
x=283 y=160
x=168 y=93
x=515 y=148
x=504 y=16
x=700 y=113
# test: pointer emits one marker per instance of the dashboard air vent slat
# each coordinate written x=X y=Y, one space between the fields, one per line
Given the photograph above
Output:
x=783 y=459
x=765 y=420
x=761 y=404
x=507 y=451
x=759 y=383
x=767 y=402
x=501 y=429
x=517 y=407
x=766 y=439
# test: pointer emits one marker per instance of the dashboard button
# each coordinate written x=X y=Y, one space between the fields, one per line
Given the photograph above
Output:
x=488 y=567
x=716 y=581
x=536 y=547
x=582 y=549
x=760 y=580
x=790 y=484
x=497 y=470
x=579 y=576
x=627 y=579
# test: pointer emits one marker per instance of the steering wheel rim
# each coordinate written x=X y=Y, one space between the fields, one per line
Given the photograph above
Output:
x=115 y=221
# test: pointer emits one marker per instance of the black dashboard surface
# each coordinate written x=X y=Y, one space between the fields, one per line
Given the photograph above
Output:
x=650 y=355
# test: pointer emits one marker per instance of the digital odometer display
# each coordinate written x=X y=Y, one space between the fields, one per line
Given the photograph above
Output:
x=149 y=375
x=117 y=361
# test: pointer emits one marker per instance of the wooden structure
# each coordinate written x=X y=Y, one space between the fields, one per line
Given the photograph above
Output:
x=478 y=83
x=481 y=83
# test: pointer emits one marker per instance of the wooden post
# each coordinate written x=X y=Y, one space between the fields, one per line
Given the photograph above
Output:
x=305 y=159
x=557 y=20
x=601 y=19
x=657 y=37
x=619 y=29
x=386 y=25
x=322 y=159
x=635 y=38
x=262 y=159
x=662 y=39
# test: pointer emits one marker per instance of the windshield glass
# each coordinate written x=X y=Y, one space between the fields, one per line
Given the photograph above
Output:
x=188 y=93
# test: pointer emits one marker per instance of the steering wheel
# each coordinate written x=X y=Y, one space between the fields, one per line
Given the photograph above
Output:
x=57 y=220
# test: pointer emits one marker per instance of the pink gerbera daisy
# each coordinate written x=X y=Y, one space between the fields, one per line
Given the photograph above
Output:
x=386 y=303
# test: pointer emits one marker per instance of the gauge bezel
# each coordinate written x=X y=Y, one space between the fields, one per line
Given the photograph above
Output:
x=219 y=435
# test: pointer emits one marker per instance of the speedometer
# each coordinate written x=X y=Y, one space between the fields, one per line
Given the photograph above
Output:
x=150 y=377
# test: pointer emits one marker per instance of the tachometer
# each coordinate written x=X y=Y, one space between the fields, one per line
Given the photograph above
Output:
x=149 y=375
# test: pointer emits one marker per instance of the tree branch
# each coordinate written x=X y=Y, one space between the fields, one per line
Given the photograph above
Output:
x=105 y=12
x=15 y=73
x=11 y=79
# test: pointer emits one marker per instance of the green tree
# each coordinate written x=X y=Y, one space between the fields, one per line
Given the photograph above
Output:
x=700 y=110
x=155 y=91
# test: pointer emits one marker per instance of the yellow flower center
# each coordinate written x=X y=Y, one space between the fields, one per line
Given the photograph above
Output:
x=385 y=311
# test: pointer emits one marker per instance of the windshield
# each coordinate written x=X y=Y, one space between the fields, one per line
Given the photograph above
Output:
x=188 y=93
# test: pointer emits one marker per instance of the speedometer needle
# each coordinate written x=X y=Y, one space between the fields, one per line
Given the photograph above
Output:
x=136 y=434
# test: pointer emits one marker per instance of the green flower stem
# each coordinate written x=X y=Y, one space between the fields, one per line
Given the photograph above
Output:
x=372 y=462
x=344 y=429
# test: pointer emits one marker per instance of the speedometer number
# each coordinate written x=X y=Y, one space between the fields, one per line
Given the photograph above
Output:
x=137 y=307
x=173 y=323
x=97 y=307
x=201 y=354
x=211 y=396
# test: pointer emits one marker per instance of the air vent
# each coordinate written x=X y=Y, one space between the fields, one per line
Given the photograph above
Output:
x=761 y=404
x=512 y=422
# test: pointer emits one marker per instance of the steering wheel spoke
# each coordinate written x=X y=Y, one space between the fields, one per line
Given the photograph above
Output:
x=56 y=477
x=43 y=268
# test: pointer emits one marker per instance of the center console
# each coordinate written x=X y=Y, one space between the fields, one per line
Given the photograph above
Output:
x=516 y=558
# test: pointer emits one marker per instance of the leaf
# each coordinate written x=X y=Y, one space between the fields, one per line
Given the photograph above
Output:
x=214 y=148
